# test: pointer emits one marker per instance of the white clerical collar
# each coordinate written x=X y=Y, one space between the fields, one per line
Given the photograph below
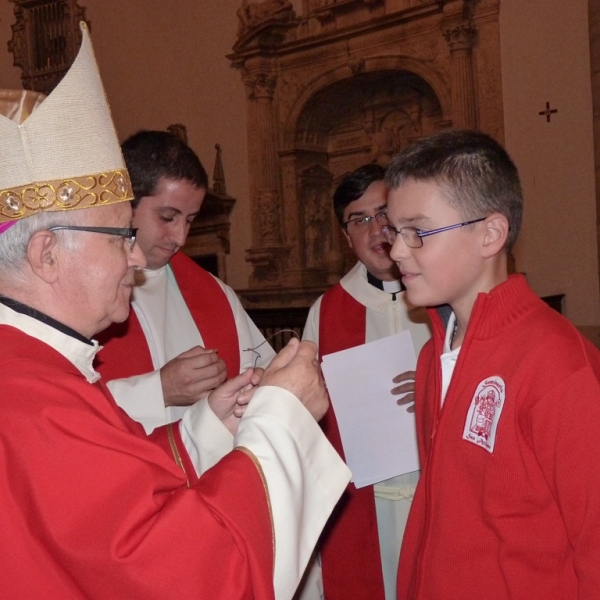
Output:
x=392 y=287
x=77 y=352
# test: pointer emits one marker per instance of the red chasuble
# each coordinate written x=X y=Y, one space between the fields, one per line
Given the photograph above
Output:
x=350 y=555
x=92 y=509
x=126 y=352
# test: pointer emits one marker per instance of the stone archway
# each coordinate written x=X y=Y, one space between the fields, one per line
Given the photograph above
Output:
x=354 y=121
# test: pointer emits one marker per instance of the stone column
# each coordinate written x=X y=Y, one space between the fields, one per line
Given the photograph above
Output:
x=267 y=252
x=263 y=144
x=460 y=41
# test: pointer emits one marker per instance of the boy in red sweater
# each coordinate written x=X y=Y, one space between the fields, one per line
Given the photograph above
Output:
x=507 y=392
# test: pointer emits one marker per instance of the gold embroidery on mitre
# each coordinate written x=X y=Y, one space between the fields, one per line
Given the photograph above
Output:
x=99 y=189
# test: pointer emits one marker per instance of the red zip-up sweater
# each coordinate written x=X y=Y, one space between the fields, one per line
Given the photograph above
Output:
x=518 y=516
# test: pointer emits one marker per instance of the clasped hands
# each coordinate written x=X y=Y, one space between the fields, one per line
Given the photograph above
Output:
x=190 y=376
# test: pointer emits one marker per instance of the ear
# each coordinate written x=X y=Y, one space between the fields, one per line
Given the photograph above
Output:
x=496 y=233
x=42 y=254
x=348 y=239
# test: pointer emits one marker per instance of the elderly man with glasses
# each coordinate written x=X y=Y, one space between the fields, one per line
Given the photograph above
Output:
x=92 y=507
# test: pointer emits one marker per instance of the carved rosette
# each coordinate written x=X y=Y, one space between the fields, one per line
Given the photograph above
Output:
x=460 y=39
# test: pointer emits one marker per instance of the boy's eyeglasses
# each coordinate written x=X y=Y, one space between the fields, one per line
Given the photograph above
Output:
x=125 y=232
x=413 y=237
x=362 y=223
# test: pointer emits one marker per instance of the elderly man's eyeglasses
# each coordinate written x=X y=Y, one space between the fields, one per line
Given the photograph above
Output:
x=413 y=237
x=128 y=233
x=362 y=223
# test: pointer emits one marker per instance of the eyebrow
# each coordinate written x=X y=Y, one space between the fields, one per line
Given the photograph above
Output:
x=172 y=209
x=360 y=213
x=416 y=220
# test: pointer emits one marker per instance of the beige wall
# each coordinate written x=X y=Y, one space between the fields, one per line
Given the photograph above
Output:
x=545 y=58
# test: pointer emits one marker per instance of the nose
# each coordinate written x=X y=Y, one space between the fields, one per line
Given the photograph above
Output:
x=374 y=227
x=136 y=258
x=399 y=250
x=179 y=232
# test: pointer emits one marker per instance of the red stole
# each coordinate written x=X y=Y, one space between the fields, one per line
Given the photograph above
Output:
x=351 y=559
x=126 y=351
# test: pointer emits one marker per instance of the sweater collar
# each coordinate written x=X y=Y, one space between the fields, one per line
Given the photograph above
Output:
x=504 y=305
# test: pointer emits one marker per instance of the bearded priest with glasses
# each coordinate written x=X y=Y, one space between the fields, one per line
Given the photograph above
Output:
x=360 y=546
x=92 y=507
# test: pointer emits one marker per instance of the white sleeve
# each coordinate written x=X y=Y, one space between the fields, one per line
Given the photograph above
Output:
x=311 y=329
x=305 y=477
x=248 y=334
x=141 y=398
x=204 y=436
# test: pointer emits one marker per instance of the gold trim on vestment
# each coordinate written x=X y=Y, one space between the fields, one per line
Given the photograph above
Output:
x=175 y=451
x=264 y=480
x=100 y=189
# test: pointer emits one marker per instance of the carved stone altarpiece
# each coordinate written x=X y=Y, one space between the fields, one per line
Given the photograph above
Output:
x=46 y=39
x=345 y=83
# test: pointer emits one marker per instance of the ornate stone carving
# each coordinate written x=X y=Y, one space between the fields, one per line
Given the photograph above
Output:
x=253 y=14
x=354 y=81
x=260 y=85
x=315 y=200
x=460 y=38
x=46 y=38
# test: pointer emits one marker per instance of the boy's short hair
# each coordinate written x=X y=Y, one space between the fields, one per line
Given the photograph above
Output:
x=475 y=173
x=353 y=185
x=153 y=155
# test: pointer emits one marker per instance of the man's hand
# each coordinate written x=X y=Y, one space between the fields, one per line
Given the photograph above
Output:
x=228 y=402
x=407 y=379
x=297 y=370
x=190 y=376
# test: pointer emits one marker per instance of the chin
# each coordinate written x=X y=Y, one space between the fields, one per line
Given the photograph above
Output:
x=154 y=263
x=120 y=315
x=417 y=299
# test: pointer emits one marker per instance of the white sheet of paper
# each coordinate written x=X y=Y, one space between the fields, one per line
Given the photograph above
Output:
x=378 y=436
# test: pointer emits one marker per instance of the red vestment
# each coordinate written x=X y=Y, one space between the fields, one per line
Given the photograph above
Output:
x=93 y=509
x=350 y=554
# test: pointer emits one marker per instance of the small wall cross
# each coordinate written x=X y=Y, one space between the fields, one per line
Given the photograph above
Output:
x=548 y=112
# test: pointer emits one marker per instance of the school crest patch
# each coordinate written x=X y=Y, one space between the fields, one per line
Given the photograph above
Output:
x=484 y=413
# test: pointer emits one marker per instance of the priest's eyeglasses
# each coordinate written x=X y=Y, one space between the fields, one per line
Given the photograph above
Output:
x=128 y=233
x=413 y=237
x=362 y=223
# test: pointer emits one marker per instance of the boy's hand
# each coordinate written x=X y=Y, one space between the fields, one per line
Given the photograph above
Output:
x=229 y=401
x=407 y=387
